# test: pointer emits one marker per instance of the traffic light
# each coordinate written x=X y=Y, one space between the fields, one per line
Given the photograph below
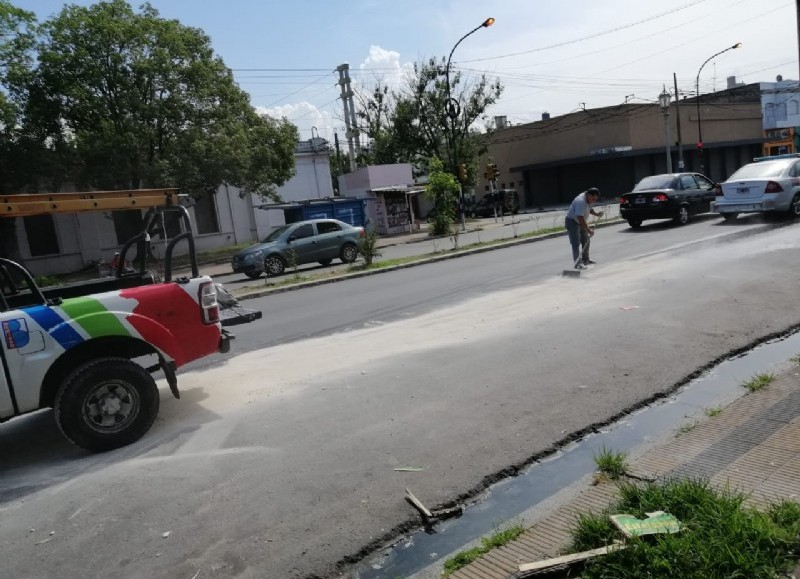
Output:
x=462 y=173
x=700 y=146
x=492 y=172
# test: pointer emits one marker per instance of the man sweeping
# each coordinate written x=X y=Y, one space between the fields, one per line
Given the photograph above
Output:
x=577 y=225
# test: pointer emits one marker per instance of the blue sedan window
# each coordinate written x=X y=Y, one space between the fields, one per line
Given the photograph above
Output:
x=303 y=231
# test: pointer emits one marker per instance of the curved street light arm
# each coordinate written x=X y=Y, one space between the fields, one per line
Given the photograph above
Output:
x=697 y=84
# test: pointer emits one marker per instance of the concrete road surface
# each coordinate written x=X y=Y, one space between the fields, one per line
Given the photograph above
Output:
x=282 y=462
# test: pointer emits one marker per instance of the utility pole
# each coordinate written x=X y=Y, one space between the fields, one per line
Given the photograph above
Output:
x=353 y=141
x=681 y=166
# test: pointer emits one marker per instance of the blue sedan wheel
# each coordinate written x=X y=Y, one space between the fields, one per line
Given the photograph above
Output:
x=349 y=253
x=274 y=266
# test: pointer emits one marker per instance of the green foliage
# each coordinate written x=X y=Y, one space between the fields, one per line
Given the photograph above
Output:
x=46 y=281
x=126 y=99
x=720 y=537
x=412 y=124
x=611 y=463
x=713 y=411
x=367 y=247
x=759 y=381
x=464 y=558
x=442 y=190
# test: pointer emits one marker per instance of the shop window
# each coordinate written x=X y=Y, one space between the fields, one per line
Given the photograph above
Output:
x=205 y=214
x=41 y=233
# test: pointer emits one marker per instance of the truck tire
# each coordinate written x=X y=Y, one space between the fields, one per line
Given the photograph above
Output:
x=106 y=403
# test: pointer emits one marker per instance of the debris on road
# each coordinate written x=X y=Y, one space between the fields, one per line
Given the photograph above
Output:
x=657 y=522
x=567 y=560
x=429 y=516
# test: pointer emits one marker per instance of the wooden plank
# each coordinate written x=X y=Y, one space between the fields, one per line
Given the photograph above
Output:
x=417 y=503
x=569 y=559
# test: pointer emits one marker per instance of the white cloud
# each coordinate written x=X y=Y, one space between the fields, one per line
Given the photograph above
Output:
x=309 y=119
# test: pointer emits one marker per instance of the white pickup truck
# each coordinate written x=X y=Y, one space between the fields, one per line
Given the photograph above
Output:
x=88 y=350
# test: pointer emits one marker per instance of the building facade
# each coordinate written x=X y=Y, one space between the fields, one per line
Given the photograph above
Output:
x=549 y=161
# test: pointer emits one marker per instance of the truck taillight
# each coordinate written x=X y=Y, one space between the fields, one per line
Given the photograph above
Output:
x=718 y=190
x=623 y=201
x=773 y=187
x=208 y=303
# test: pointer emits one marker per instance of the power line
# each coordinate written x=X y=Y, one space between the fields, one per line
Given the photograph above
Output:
x=589 y=37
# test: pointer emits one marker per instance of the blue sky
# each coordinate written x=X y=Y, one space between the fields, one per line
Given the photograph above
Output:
x=552 y=56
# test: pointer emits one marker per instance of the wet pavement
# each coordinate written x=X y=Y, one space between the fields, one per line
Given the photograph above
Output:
x=750 y=446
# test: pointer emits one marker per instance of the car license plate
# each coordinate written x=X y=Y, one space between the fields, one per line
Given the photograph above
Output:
x=640 y=201
x=743 y=190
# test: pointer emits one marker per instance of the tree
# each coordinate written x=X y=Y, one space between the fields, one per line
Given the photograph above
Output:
x=442 y=190
x=128 y=100
x=412 y=125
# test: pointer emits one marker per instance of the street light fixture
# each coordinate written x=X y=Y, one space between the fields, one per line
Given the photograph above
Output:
x=697 y=90
x=663 y=102
x=454 y=110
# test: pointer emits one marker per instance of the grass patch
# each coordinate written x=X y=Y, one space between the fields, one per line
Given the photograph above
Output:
x=612 y=464
x=711 y=412
x=687 y=427
x=47 y=280
x=720 y=536
x=795 y=359
x=464 y=558
x=759 y=381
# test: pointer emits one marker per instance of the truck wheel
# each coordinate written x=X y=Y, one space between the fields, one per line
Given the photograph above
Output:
x=106 y=403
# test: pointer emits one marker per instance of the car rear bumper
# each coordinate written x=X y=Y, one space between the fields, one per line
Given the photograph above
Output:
x=740 y=207
x=642 y=213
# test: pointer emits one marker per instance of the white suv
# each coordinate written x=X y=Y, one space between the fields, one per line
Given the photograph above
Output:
x=769 y=184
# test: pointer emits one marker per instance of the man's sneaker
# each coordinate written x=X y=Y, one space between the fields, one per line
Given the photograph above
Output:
x=589 y=262
x=580 y=266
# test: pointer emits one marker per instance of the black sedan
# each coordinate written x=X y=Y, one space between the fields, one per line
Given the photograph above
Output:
x=673 y=196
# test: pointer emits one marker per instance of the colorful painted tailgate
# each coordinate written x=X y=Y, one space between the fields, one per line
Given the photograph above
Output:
x=91 y=357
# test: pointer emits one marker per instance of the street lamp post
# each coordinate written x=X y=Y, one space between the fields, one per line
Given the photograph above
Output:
x=697 y=90
x=663 y=101
x=453 y=111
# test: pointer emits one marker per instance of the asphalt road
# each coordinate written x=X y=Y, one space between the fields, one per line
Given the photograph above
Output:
x=279 y=460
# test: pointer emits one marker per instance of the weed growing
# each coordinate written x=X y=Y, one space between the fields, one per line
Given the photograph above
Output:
x=687 y=427
x=759 y=381
x=711 y=412
x=464 y=558
x=720 y=537
x=613 y=464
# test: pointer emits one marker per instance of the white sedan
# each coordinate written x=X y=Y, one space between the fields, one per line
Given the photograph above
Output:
x=768 y=184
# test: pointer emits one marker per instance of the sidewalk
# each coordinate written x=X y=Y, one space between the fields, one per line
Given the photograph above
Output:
x=751 y=446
